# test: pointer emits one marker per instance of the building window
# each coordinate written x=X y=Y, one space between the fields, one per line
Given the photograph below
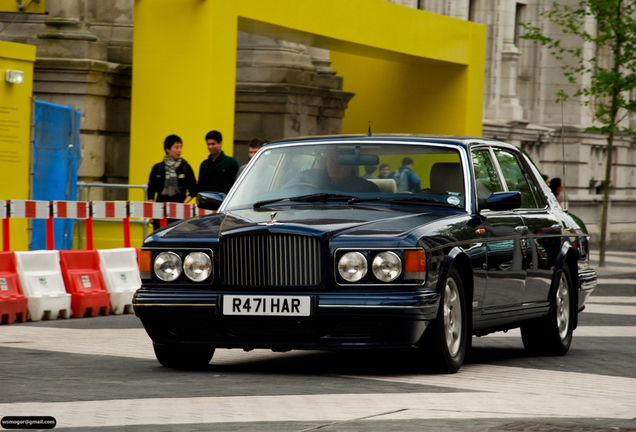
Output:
x=520 y=17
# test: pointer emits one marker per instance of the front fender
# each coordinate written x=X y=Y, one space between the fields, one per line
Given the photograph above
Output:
x=567 y=257
x=458 y=257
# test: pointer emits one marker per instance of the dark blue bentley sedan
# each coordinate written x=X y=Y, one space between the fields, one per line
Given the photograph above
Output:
x=316 y=247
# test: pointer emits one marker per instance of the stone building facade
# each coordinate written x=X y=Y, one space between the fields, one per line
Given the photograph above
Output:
x=84 y=60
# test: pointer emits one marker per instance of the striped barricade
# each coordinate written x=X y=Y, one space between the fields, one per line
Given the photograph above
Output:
x=87 y=210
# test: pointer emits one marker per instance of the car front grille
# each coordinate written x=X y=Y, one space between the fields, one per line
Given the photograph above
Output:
x=270 y=260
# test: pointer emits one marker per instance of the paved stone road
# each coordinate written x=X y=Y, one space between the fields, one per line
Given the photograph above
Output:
x=100 y=374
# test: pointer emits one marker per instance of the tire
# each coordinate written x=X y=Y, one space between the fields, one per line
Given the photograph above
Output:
x=446 y=338
x=552 y=335
x=183 y=357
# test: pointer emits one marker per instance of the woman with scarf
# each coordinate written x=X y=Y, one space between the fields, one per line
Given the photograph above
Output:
x=171 y=180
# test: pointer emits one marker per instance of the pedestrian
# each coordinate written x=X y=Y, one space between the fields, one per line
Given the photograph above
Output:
x=405 y=179
x=171 y=180
x=556 y=186
x=218 y=172
x=254 y=145
x=385 y=170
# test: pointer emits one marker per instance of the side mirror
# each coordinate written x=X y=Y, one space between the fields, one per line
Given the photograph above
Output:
x=500 y=201
x=210 y=200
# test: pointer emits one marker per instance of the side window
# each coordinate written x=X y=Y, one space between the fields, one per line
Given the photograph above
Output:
x=515 y=177
x=486 y=178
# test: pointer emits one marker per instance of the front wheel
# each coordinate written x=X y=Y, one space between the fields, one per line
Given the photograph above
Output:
x=552 y=335
x=183 y=357
x=447 y=336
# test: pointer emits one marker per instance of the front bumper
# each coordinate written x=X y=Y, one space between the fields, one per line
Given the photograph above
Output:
x=587 y=283
x=338 y=320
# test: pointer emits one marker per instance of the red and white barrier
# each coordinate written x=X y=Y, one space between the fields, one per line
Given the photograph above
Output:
x=71 y=209
x=87 y=210
x=30 y=209
x=109 y=209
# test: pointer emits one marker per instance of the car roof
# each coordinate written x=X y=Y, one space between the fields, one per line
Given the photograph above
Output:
x=460 y=141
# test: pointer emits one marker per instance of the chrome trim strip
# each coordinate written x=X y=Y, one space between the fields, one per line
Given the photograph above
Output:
x=377 y=307
x=174 y=304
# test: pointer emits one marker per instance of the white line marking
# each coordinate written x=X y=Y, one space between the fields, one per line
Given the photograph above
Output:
x=611 y=299
x=609 y=309
x=616 y=281
x=581 y=331
x=491 y=392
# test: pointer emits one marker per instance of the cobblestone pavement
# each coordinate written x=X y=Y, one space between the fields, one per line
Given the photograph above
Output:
x=100 y=374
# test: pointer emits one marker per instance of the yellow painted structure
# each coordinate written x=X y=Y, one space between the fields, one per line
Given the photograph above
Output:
x=411 y=71
x=15 y=132
x=30 y=7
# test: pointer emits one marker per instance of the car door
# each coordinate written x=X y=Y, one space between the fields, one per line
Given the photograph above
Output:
x=505 y=264
x=543 y=242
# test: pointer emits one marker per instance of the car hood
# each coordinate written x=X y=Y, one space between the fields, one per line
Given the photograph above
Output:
x=331 y=220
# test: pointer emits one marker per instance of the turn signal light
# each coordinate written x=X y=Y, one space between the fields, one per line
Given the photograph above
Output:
x=145 y=264
x=415 y=265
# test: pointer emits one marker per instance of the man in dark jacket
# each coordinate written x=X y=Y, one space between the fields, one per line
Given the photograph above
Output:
x=218 y=172
x=171 y=180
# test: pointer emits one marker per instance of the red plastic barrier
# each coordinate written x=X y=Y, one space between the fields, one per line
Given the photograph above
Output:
x=83 y=280
x=13 y=305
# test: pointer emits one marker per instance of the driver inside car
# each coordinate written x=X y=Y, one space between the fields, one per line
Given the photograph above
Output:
x=335 y=176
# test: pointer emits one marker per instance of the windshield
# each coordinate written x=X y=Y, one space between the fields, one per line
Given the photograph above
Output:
x=411 y=174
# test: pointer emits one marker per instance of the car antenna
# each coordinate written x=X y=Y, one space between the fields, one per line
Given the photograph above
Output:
x=369 y=134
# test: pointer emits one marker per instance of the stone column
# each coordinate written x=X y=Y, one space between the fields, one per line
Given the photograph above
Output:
x=509 y=106
x=284 y=90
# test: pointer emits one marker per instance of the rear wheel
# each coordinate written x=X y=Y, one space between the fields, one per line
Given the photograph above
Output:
x=183 y=357
x=552 y=335
x=447 y=336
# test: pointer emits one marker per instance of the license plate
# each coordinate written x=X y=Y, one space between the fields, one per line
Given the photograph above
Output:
x=266 y=305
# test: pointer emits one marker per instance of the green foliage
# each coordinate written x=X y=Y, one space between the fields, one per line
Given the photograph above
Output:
x=610 y=87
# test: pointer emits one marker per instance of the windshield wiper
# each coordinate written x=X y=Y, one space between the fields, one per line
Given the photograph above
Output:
x=308 y=198
x=405 y=199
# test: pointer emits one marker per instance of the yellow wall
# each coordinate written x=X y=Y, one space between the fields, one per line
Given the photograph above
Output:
x=30 y=7
x=110 y=235
x=15 y=132
x=412 y=71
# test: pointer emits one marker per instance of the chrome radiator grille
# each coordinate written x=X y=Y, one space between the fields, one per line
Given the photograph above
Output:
x=270 y=260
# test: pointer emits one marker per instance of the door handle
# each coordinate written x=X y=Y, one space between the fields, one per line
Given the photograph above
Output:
x=522 y=229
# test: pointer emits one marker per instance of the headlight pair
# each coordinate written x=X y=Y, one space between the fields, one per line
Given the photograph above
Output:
x=386 y=266
x=197 y=266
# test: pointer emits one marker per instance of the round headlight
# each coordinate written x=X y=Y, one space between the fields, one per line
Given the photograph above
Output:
x=352 y=266
x=386 y=266
x=168 y=266
x=197 y=266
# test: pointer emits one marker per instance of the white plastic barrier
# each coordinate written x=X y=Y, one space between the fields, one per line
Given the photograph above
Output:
x=41 y=278
x=121 y=276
